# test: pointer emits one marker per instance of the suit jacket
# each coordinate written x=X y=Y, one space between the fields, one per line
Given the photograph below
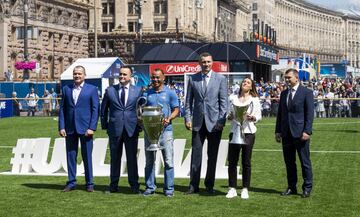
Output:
x=79 y=117
x=115 y=117
x=299 y=116
x=211 y=105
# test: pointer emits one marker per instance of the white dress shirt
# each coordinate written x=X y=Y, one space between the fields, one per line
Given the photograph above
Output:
x=126 y=88
x=207 y=78
x=253 y=110
x=76 y=92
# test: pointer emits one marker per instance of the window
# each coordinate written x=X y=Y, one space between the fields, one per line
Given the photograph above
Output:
x=132 y=10
x=254 y=7
x=110 y=46
x=129 y=47
x=32 y=32
x=132 y=26
x=111 y=8
x=104 y=27
x=102 y=46
x=107 y=27
x=160 y=7
x=106 y=46
x=104 y=8
x=254 y=16
x=111 y=27
x=160 y=26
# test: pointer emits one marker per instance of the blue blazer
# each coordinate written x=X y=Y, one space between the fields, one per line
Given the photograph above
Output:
x=114 y=116
x=299 y=116
x=82 y=116
x=210 y=104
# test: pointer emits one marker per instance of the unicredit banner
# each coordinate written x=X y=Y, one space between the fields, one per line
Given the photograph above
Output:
x=190 y=67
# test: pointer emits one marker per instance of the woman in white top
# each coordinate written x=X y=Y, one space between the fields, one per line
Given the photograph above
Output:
x=246 y=96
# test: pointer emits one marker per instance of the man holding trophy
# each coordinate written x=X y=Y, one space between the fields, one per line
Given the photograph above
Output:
x=245 y=111
x=159 y=135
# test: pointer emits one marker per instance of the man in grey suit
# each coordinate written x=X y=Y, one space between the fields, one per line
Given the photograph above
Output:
x=118 y=117
x=205 y=115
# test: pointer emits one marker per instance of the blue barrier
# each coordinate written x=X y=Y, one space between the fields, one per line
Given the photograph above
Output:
x=6 y=108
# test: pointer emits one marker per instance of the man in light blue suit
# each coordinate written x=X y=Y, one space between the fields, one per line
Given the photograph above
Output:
x=205 y=115
x=119 y=118
x=78 y=117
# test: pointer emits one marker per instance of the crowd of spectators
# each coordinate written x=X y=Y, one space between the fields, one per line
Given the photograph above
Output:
x=334 y=97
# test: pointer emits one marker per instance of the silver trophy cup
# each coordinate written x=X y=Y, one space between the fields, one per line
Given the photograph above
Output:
x=239 y=112
x=153 y=127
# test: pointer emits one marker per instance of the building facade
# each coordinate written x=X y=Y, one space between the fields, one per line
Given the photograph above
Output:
x=57 y=35
x=121 y=23
x=306 y=28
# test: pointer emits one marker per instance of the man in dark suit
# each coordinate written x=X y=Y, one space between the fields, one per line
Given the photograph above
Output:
x=205 y=114
x=118 y=117
x=78 y=117
x=294 y=127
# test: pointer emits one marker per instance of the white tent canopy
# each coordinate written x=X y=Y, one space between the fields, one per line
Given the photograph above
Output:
x=95 y=67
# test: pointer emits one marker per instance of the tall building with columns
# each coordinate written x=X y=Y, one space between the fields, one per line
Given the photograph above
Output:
x=303 y=27
x=57 y=35
x=121 y=23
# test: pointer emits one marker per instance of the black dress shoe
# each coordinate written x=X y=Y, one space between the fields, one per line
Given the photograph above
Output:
x=111 y=190
x=191 y=191
x=210 y=190
x=305 y=194
x=288 y=192
x=135 y=191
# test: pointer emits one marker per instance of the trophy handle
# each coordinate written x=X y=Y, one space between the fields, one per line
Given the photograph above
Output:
x=140 y=103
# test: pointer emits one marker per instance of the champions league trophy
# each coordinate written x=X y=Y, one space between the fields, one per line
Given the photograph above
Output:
x=239 y=112
x=152 y=117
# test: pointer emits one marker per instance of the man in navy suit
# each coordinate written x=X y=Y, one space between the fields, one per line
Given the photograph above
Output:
x=119 y=118
x=294 y=127
x=205 y=114
x=78 y=117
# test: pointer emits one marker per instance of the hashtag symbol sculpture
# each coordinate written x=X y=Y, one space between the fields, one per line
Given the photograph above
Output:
x=23 y=153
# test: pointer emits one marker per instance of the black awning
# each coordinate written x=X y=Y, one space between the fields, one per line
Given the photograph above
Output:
x=183 y=52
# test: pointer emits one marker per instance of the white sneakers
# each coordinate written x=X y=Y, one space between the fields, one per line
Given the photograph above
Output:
x=232 y=193
x=244 y=193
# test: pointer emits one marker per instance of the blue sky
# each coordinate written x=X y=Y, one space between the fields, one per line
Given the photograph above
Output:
x=348 y=5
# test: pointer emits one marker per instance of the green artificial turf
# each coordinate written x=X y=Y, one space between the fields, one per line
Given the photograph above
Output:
x=335 y=147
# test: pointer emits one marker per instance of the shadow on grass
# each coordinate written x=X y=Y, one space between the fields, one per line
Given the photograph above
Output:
x=341 y=131
x=182 y=189
x=265 y=190
x=122 y=189
x=57 y=187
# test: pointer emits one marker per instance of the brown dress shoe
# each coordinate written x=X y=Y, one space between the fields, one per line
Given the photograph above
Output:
x=90 y=189
x=68 y=188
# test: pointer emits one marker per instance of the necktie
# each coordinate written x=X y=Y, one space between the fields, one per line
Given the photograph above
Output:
x=290 y=97
x=204 y=83
x=122 y=95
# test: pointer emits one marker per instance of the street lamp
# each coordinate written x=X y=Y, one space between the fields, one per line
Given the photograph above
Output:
x=95 y=30
x=138 y=7
x=198 y=5
x=225 y=18
x=26 y=12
